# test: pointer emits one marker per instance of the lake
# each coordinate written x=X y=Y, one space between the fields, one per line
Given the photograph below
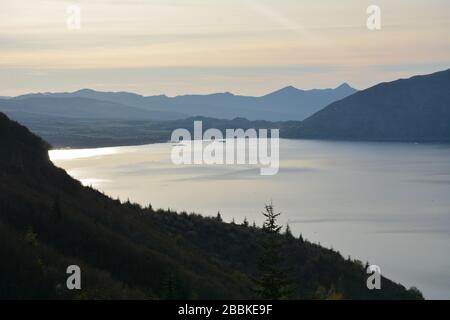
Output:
x=386 y=203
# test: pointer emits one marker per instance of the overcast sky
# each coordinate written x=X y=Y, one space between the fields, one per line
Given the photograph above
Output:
x=201 y=46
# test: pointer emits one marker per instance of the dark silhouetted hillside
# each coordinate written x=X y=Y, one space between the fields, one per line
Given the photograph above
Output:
x=415 y=109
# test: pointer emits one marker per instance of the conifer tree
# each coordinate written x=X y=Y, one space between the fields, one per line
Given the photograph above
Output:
x=272 y=283
x=288 y=232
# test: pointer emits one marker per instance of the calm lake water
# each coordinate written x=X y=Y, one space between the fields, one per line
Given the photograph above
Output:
x=387 y=203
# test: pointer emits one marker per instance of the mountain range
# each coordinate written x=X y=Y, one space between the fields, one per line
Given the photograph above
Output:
x=288 y=103
x=415 y=109
x=38 y=107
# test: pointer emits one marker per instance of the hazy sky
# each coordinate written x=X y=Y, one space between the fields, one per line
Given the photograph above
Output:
x=201 y=46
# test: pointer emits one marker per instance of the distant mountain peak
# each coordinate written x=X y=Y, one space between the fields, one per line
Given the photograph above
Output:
x=285 y=90
x=85 y=90
x=226 y=93
x=289 y=88
x=345 y=85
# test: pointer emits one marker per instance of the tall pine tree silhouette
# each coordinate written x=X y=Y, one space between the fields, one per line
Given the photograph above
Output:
x=272 y=283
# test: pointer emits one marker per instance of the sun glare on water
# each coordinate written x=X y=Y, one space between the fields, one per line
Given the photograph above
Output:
x=72 y=154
